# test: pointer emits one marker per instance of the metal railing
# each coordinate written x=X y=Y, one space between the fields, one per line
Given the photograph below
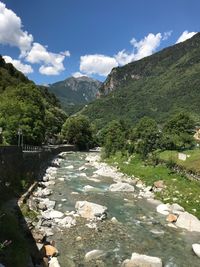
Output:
x=30 y=148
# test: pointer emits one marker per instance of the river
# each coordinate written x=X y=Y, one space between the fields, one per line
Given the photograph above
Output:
x=139 y=228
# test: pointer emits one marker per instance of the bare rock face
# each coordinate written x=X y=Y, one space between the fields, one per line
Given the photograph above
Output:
x=121 y=187
x=139 y=260
x=188 y=222
x=90 y=210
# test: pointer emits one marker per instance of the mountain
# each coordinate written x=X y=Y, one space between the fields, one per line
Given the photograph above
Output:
x=28 y=107
x=155 y=86
x=75 y=91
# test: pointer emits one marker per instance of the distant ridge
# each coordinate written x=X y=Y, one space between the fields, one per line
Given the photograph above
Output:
x=75 y=91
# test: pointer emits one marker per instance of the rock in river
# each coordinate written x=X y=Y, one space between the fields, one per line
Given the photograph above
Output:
x=163 y=209
x=188 y=221
x=140 y=260
x=94 y=254
x=196 y=249
x=90 y=210
x=122 y=187
x=52 y=214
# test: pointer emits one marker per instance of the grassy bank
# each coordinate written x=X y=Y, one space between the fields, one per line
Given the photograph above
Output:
x=178 y=189
x=192 y=162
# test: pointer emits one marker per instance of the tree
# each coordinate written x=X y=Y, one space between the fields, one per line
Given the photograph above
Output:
x=22 y=107
x=178 y=132
x=145 y=136
x=77 y=130
x=113 y=137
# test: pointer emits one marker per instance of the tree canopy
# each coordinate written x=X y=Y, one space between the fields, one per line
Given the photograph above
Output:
x=77 y=130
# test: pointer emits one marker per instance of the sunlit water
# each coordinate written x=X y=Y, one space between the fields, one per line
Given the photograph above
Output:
x=140 y=229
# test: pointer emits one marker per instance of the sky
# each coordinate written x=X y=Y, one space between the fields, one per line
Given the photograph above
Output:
x=50 y=40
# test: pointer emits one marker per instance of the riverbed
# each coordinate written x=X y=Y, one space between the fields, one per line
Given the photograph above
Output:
x=137 y=228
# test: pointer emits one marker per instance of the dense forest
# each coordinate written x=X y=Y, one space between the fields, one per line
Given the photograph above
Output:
x=27 y=108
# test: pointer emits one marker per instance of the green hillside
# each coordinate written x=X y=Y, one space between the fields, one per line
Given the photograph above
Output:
x=156 y=86
x=27 y=107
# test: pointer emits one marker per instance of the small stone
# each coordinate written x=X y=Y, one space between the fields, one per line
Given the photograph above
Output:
x=79 y=238
x=171 y=218
x=159 y=184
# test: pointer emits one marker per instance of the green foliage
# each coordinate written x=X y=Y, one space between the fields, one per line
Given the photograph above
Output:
x=157 y=86
x=77 y=130
x=146 y=136
x=23 y=105
x=113 y=137
x=178 y=132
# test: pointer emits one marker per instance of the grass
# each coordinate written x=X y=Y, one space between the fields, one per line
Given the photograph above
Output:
x=191 y=164
x=178 y=189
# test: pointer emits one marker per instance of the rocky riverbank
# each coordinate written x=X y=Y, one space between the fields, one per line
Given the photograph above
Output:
x=50 y=220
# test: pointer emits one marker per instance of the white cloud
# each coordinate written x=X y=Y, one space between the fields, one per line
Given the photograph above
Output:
x=11 y=32
x=146 y=46
x=19 y=65
x=184 y=36
x=123 y=57
x=78 y=74
x=52 y=63
x=97 y=64
x=102 y=64
x=143 y=48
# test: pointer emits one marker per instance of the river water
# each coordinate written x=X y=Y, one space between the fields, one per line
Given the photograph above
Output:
x=139 y=229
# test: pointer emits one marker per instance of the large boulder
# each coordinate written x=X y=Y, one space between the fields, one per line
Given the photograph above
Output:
x=90 y=210
x=121 y=187
x=139 y=260
x=188 y=222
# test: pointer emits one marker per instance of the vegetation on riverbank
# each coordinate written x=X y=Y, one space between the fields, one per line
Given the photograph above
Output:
x=190 y=164
x=179 y=189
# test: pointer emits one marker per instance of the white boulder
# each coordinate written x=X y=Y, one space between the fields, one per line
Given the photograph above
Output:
x=52 y=214
x=94 y=254
x=90 y=210
x=188 y=222
x=122 y=187
x=54 y=262
x=163 y=209
x=140 y=260
x=196 y=249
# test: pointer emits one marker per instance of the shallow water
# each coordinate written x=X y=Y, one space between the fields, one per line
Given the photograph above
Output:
x=140 y=229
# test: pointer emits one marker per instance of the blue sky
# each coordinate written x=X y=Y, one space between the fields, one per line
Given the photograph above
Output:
x=51 y=40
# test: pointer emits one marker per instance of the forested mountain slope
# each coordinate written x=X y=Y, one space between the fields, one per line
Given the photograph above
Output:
x=156 y=86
